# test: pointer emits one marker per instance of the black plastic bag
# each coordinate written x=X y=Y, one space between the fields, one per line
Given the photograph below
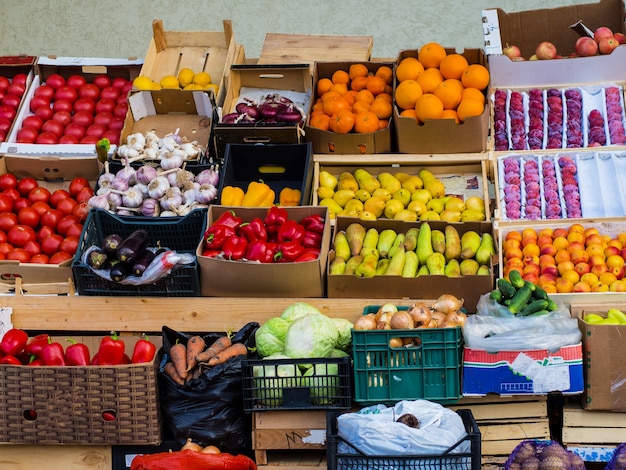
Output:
x=208 y=409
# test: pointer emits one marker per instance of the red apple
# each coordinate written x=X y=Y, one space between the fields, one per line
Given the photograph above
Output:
x=601 y=33
x=546 y=50
x=607 y=45
x=620 y=37
x=586 y=46
x=512 y=52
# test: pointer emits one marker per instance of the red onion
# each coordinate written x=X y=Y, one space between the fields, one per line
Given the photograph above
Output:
x=289 y=114
x=250 y=110
x=271 y=109
x=230 y=118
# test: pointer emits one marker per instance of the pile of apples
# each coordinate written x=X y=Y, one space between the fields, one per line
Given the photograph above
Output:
x=604 y=41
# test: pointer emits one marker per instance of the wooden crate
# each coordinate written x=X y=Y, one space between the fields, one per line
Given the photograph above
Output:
x=595 y=428
x=294 y=460
x=287 y=430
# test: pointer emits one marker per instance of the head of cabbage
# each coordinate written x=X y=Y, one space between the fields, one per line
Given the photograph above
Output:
x=270 y=380
x=297 y=310
x=344 y=328
x=270 y=336
x=313 y=335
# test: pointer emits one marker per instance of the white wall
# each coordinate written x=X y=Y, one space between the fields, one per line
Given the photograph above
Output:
x=123 y=28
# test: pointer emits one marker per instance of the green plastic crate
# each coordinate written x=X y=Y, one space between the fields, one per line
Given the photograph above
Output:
x=431 y=369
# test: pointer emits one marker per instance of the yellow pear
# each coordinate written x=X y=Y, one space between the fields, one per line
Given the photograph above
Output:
x=332 y=205
x=450 y=215
x=369 y=184
x=455 y=204
x=328 y=180
x=426 y=175
x=430 y=215
x=392 y=206
x=389 y=182
x=347 y=181
x=361 y=173
x=436 y=188
x=375 y=205
x=401 y=176
x=406 y=214
x=323 y=192
x=472 y=215
x=367 y=215
x=357 y=206
x=362 y=195
x=436 y=204
x=403 y=195
x=476 y=203
x=421 y=195
x=347 y=213
x=342 y=196
x=382 y=193
x=412 y=183
x=417 y=206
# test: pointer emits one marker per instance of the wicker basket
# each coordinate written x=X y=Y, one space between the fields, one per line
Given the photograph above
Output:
x=70 y=405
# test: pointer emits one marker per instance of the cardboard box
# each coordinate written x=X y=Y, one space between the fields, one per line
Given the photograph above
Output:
x=10 y=66
x=351 y=143
x=256 y=79
x=280 y=166
x=604 y=350
x=443 y=135
x=527 y=29
x=529 y=372
x=201 y=51
x=470 y=288
x=61 y=161
x=225 y=278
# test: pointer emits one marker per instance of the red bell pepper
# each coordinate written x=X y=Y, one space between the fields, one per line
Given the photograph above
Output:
x=234 y=247
x=192 y=460
x=77 y=354
x=311 y=240
x=13 y=342
x=254 y=230
x=52 y=354
x=111 y=350
x=288 y=251
x=274 y=218
x=35 y=361
x=36 y=344
x=290 y=230
x=261 y=251
x=313 y=223
x=216 y=235
x=143 y=351
x=210 y=253
x=309 y=254
x=228 y=218
x=10 y=360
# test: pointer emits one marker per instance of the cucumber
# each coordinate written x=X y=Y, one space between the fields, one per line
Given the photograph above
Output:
x=133 y=246
x=516 y=279
x=552 y=305
x=520 y=299
x=496 y=295
x=530 y=285
x=539 y=313
x=534 y=306
x=507 y=289
x=540 y=293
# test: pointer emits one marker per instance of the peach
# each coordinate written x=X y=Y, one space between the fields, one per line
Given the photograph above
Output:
x=546 y=50
x=582 y=268
x=571 y=276
x=576 y=237
x=530 y=260
x=529 y=233
x=550 y=269
x=513 y=253
x=548 y=250
x=576 y=228
x=564 y=286
x=618 y=286
x=579 y=256
x=546 y=279
x=565 y=266
x=510 y=244
x=575 y=245
x=620 y=37
x=623 y=253
x=529 y=241
x=581 y=287
x=531 y=249
x=622 y=238
x=611 y=250
x=596 y=260
x=544 y=240
x=562 y=255
x=531 y=277
x=550 y=288
x=595 y=249
x=586 y=46
x=513 y=235
x=547 y=232
x=599 y=269
x=601 y=33
x=515 y=263
x=559 y=232
x=618 y=272
x=594 y=238
x=546 y=259
x=616 y=242
x=532 y=268
x=590 y=278
x=560 y=243
x=614 y=261
x=599 y=287
x=607 y=45
x=591 y=230
x=607 y=278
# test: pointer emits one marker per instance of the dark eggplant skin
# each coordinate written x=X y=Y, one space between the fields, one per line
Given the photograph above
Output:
x=120 y=270
x=111 y=243
x=132 y=246
x=142 y=263
x=98 y=258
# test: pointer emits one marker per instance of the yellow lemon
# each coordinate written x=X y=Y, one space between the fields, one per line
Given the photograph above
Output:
x=142 y=83
x=185 y=77
x=202 y=78
x=156 y=86
x=169 y=81
x=192 y=86
x=211 y=86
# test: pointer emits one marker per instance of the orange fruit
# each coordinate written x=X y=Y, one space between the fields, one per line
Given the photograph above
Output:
x=409 y=113
x=333 y=106
x=383 y=124
x=323 y=85
x=428 y=106
x=366 y=122
x=360 y=106
x=431 y=54
x=474 y=93
x=449 y=92
x=330 y=95
x=475 y=76
x=386 y=73
x=451 y=114
x=376 y=85
x=350 y=97
x=381 y=108
x=357 y=70
x=317 y=107
x=469 y=107
x=385 y=96
x=407 y=93
x=320 y=121
x=430 y=79
x=342 y=122
x=340 y=88
x=340 y=76
x=409 y=68
x=453 y=66
x=358 y=83
x=365 y=95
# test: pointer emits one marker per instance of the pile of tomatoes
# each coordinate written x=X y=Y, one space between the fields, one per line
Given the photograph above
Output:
x=38 y=225
x=11 y=92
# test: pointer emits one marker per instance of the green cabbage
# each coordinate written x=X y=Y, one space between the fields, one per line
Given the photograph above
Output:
x=335 y=353
x=323 y=379
x=270 y=337
x=311 y=336
x=297 y=310
x=344 y=328
x=270 y=380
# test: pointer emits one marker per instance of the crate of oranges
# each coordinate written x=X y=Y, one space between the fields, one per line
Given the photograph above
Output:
x=440 y=103
x=352 y=109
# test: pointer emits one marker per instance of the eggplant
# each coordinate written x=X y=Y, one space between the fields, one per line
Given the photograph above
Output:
x=111 y=243
x=120 y=270
x=97 y=258
x=132 y=246
x=142 y=263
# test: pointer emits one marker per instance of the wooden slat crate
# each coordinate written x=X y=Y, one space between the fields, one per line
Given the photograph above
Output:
x=288 y=431
x=294 y=460
x=592 y=427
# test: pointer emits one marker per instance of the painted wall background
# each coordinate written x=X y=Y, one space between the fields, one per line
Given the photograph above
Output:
x=123 y=28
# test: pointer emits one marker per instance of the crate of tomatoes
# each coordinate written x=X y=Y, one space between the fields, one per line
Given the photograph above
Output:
x=99 y=390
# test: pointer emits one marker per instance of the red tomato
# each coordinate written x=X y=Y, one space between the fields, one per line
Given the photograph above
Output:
x=12 y=193
x=63 y=117
x=89 y=139
x=19 y=254
x=7 y=220
x=110 y=93
x=81 y=210
x=66 y=93
x=45 y=113
x=27 y=135
x=69 y=244
x=50 y=245
x=16 y=89
x=95 y=130
x=84 y=194
x=41 y=207
x=75 y=230
x=83 y=118
x=59 y=257
x=5 y=248
x=77 y=184
x=19 y=235
x=55 y=126
x=66 y=206
x=47 y=138
x=9 y=113
x=51 y=218
x=5 y=125
x=55 y=81
x=112 y=135
x=75 y=130
x=62 y=105
x=65 y=222
x=6 y=203
x=3 y=256
x=89 y=90
x=38 y=101
x=102 y=81
x=45 y=91
x=26 y=185
x=39 y=194
x=33 y=121
x=68 y=139
x=75 y=81
x=84 y=104
x=20 y=203
x=43 y=232
x=57 y=195
x=33 y=247
x=3 y=237
x=28 y=216
x=20 y=79
x=105 y=105
x=117 y=123
x=103 y=118
x=40 y=258
x=11 y=101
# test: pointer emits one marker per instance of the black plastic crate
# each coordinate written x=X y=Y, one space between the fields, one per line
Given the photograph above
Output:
x=449 y=459
x=283 y=387
x=182 y=234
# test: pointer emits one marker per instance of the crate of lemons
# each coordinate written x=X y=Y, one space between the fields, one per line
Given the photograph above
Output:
x=395 y=196
x=186 y=79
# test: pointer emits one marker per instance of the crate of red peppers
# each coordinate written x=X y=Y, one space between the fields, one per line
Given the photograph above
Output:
x=97 y=390
x=264 y=252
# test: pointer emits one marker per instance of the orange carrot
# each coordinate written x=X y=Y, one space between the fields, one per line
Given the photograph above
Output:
x=195 y=345
x=170 y=370
x=237 y=349
x=178 y=355
x=216 y=347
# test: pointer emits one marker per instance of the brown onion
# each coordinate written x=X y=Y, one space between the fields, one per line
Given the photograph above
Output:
x=396 y=343
x=457 y=318
x=421 y=314
x=401 y=320
x=447 y=303
x=190 y=445
x=211 y=450
x=439 y=318
x=366 y=322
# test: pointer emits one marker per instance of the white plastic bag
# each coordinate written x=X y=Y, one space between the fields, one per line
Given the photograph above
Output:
x=374 y=430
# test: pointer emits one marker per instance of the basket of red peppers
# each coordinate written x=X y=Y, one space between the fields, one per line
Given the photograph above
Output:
x=283 y=236
x=96 y=390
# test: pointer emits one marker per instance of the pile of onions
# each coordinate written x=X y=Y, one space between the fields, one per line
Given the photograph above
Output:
x=272 y=109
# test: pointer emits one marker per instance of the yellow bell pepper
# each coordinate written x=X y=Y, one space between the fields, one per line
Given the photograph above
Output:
x=258 y=194
x=289 y=197
x=232 y=196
